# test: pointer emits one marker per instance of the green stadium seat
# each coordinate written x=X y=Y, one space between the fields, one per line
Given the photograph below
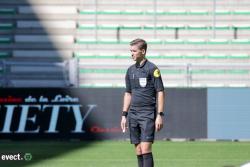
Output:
x=221 y=71
x=132 y=12
x=152 y=27
x=172 y=56
x=109 y=12
x=173 y=71
x=155 y=41
x=100 y=85
x=7 y=11
x=222 y=27
x=197 y=27
x=174 y=41
x=240 y=12
x=154 y=56
x=4 y=40
x=124 y=56
x=196 y=41
x=103 y=71
x=207 y=71
x=240 y=41
x=107 y=41
x=85 y=41
x=194 y=56
x=131 y=27
x=6 y=26
x=222 y=12
x=86 y=26
x=80 y=55
x=4 y=55
x=108 y=26
x=87 y=12
x=241 y=26
x=152 y=12
x=176 y=12
x=217 y=56
x=238 y=71
x=239 y=56
x=175 y=26
x=218 y=41
x=198 y=12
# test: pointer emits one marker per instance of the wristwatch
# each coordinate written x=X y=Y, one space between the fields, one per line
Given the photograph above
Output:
x=161 y=114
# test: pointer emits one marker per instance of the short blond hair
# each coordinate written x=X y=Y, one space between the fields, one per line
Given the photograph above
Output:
x=142 y=44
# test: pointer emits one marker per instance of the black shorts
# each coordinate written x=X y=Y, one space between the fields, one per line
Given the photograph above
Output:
x=142 y=124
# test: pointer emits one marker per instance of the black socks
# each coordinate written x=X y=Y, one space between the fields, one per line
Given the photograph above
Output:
x=140 y=160
x=145 y=160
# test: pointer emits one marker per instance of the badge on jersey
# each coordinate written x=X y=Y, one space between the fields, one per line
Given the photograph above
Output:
x=143 y=82
x=157 y=73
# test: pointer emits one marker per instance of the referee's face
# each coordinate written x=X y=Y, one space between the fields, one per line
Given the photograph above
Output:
x=136 y=53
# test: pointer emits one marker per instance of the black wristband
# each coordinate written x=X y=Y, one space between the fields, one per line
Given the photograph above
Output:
x=161 y=114
x=124 y=113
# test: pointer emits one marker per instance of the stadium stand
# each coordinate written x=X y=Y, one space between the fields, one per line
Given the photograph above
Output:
x=183 y=39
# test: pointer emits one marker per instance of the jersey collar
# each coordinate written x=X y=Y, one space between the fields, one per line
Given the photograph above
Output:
x=138 y=65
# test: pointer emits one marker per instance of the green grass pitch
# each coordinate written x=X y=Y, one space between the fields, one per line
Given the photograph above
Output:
x=121 y=154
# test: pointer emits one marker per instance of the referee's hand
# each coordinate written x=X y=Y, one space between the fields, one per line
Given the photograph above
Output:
x=124 y=124
x=158 y=123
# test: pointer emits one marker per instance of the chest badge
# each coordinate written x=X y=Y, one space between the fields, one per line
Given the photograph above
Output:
x=143 y=82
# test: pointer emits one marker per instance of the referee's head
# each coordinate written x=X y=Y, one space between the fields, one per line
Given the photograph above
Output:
x=141 y=43
x=138 y=48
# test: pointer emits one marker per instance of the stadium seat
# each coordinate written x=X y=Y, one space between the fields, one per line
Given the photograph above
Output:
x=45 y=54
x=241 y=26
x=240 y=41
x=153 y=27
x=26 y=83
x=175 y=26
x=218 y=41
x=196 y=41
x=7 y=11
x=217 y=56
x=240 y=12
x=44 y=38
x=197 y=27
x=6 y=26
x=46 y=24
x=198 y=12
x=194 y=56
x=221 y=27
x=132 y=12
x=47 y=9
x=172 y=56
x=167 y=12
x=239 y=56
x=176 y=12
x=4 y=40
x=131 y=27
x=222 y=12
x=174 y=41
x=5 y=55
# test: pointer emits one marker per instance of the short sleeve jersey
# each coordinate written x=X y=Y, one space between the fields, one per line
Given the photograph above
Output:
x=143 y=82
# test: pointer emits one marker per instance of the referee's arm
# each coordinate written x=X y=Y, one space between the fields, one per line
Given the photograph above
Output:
x=126 y=104
x=126 y=101
x=160 y=109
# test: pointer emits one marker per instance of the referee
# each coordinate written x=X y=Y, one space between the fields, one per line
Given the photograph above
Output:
x=143 y=103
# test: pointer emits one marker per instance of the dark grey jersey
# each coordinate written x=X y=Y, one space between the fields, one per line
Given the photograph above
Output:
x=143 y=82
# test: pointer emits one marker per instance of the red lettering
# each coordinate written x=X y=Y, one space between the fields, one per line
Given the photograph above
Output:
x=10 y=99
x=97 y=129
